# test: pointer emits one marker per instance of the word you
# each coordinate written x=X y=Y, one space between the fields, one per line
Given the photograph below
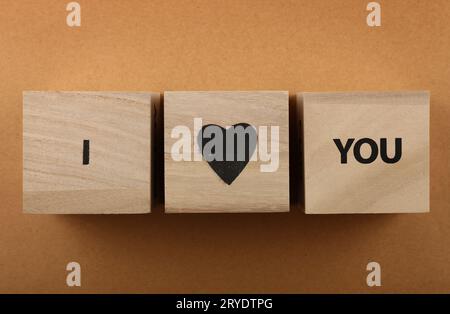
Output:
x=357 y=151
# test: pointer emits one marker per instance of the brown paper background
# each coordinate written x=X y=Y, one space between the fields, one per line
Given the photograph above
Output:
x=224 y=45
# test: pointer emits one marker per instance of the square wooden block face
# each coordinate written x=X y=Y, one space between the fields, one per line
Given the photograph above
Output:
x=87 y=152
x=366 y=152
x=193 y=184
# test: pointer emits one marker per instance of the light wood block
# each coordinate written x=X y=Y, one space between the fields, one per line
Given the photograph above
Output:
x=194 y=186
x=368 y=181
x=60 y=177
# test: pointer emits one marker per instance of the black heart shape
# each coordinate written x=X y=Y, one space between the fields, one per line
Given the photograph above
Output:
x=228 y=170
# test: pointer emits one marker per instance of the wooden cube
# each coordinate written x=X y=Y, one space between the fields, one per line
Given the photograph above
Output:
x=365 y=152
x=195 y=183
x=87 y=152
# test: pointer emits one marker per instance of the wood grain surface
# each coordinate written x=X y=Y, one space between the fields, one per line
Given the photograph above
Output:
x=117 y=177
x=192 y=186
x=376 y=187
